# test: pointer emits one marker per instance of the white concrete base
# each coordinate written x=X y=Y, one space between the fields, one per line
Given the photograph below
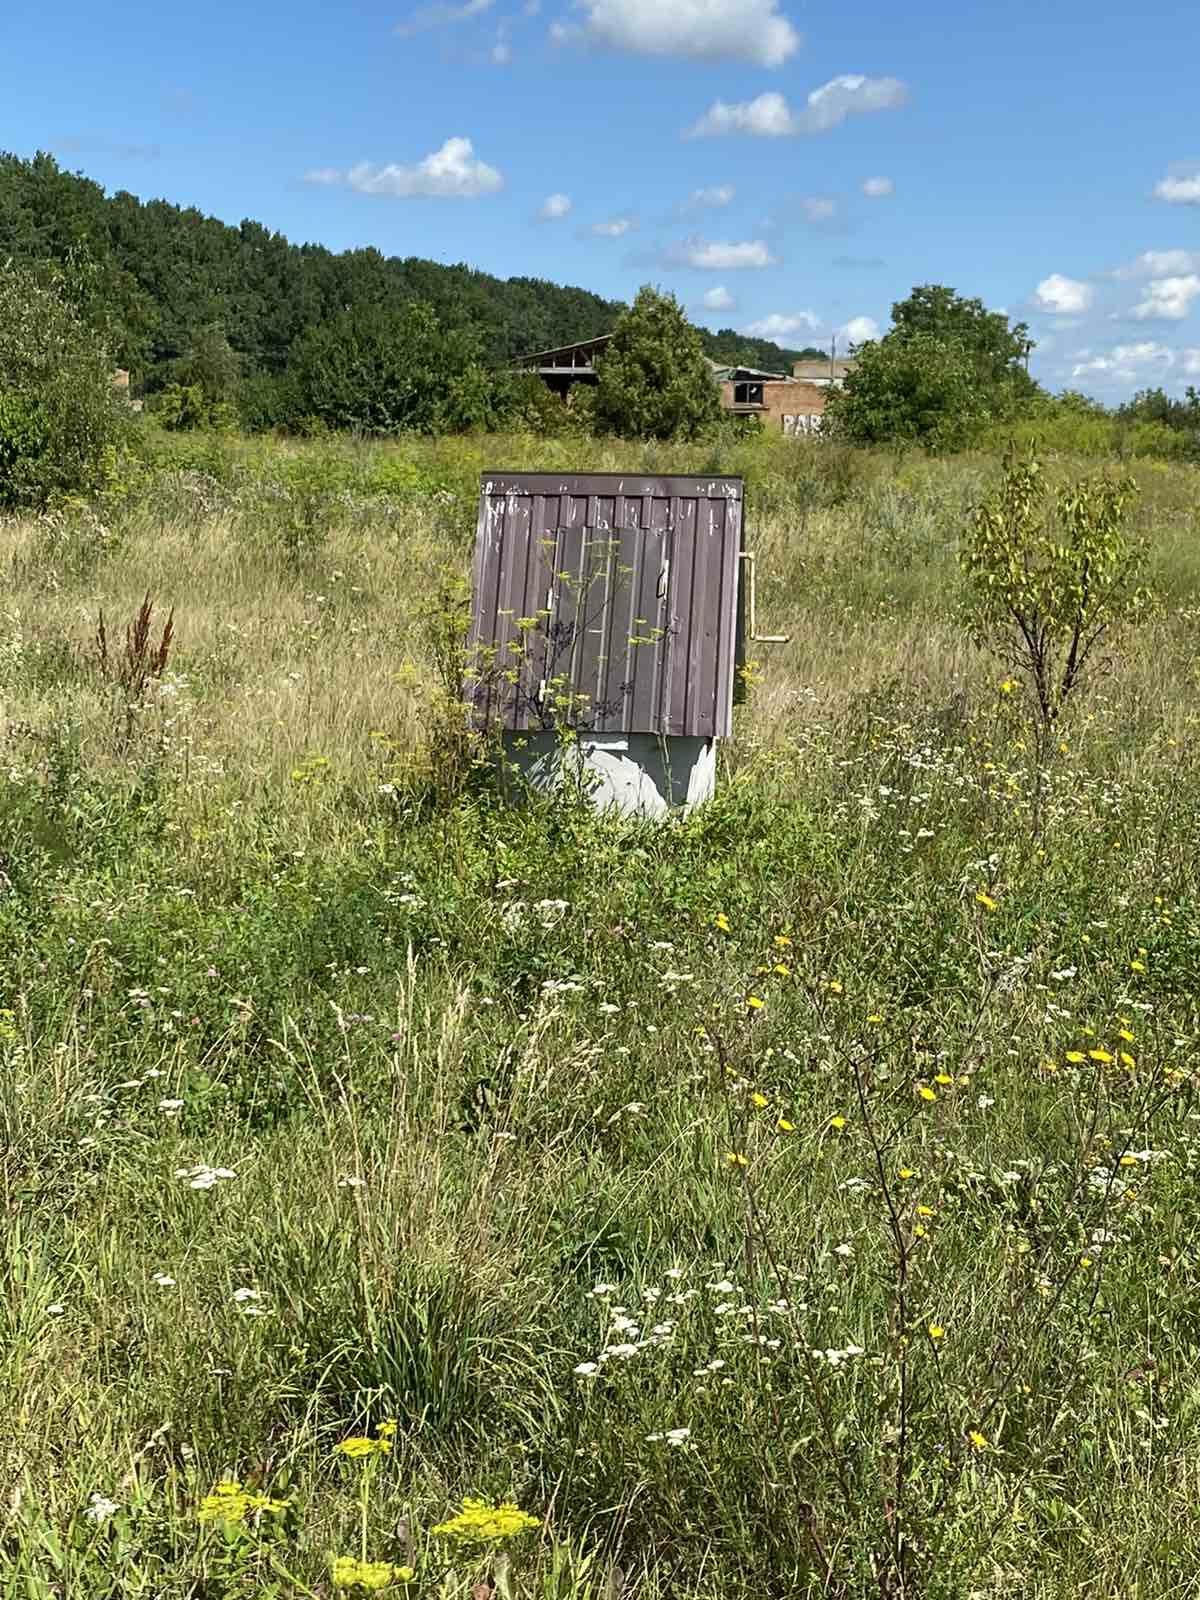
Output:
x=638 y=774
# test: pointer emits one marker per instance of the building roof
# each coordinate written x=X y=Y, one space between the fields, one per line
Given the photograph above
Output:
x=545 y=358
x=824 y=368
x=727 y=374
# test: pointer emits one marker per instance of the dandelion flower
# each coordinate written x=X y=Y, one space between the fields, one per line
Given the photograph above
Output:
x=755 y=1002
x=874 y=1017
x=835 y=987
x=736 y=1159
x=978 y=1440
x=837 y=1123
x=926 y=1092
x=782 y=942
x=1076 y=1056
x=784 y=972
x=759 y=1100
x=1100 y=1055
x=936 y=1331
x=985 y=900
x=721 y=923
x=1137 y=966
x=944 y=1079
x=905 y=1173
x=784 y=1126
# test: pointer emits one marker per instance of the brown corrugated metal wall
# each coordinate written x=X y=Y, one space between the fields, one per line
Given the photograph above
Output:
x=607 y=602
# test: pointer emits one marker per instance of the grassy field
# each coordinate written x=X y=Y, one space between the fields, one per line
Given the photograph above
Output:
x=797 y=1199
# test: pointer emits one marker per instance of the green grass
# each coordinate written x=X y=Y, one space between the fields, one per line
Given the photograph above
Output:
x=478 y=1074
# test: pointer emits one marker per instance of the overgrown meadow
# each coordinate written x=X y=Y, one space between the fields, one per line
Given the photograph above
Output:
x=407 y=1191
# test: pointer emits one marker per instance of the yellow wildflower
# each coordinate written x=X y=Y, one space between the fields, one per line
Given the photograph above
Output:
x=721 y=923
x=1125 y=1034
x=837 y=1123
x=231 y=1502
x=874 y=1017
x=1100 y=1055
x=782 y=942
x=358 y=1449
x=1137 y=966
x=1127 y=1060
x=736 y=1159
x=759 y=1100
x=480 y=1523
x=926 y=1092
x=926 y=1211
x=784 y=972
x=785 y=1126
x=979 y=1440
x=835 y=987
x=936 y=1331
x=755 y=1002
x=372 y=1576
x=985 y=900
x=943 y=1078
x=906 y=1173
x=1076 y=1056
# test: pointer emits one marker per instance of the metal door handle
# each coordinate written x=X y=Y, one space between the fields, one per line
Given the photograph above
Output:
x=759 y=638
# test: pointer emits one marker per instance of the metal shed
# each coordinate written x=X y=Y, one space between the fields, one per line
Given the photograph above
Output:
x=609 y=606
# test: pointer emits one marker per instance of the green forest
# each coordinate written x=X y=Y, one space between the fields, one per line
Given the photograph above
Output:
x=167 y=284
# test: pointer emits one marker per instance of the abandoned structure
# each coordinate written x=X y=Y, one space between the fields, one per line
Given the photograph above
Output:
x=793 y=403
x=607 y=630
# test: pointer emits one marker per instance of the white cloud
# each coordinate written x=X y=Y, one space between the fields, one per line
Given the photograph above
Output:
x=440 y=16
x=818 y=210
x=718 y=256
x=783 y=325
x=1065 y=297
x=769 y=116
x=1160 y=264
x=719 y=299
x=1182 y=189
x=555 y=207
x=1190 y=360
x=698 y=30
x=615 y=228
x=1168 y=299
x=500 y=55
x=449 y=173
x=859 y=329
x=1124 y=361
x=878 y=188
x=719 y=194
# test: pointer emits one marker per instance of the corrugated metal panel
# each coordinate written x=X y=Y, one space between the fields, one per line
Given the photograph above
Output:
x=607 y=602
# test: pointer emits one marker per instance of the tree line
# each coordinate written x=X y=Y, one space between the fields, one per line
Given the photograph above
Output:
x=218 y=323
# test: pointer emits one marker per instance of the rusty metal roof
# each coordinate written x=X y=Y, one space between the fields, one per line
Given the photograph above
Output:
x=607 y=602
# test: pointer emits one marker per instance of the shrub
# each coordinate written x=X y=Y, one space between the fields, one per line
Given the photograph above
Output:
x=61 y=420
x=655 y=382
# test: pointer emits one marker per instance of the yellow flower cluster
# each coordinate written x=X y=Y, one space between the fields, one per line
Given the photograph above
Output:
x=480 y=1523
x=371 y=1576
x=359 y=1448
x=231 y=1502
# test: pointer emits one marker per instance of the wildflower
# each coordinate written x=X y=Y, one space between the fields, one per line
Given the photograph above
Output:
x=755 y=1002
x=242 y=1296
x=925 y=1211
x=759 y=1100
x=100 y=1508
x=1085 y=1261
x=1076 y=1056
x=1008 y=685
x=782 y=942
x=985 y=900
x=736 y=1159
x=587 y=1369
x=170 y=1107
x=837 y=1123
x=1100 y=1055
x=721 y=923
x=985 y=1102
x=978 y=1440
x=229 y=1501
x=202 y=1176
x=1127 y=1060
x=926 y=1092
x=875 y=1017
x=359 y=1448
x=845 y=1250
x=164 y=1280
x=784 y=1126
x=783 y=972
x=944 y=1079
x=349 y=1573
x=1137 y=966
x=905 y=1173
x=835 y=987
x=1125 y=1034
x=936 y=1331
x=673 y=1436
x=480 y=1523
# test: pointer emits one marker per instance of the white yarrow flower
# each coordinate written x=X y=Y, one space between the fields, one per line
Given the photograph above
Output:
x=100 y=1508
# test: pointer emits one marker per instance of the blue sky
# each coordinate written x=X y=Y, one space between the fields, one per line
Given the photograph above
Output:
x=786 y=168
